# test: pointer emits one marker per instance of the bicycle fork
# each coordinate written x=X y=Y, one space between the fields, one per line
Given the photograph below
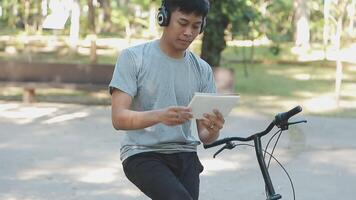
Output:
x=271 y=194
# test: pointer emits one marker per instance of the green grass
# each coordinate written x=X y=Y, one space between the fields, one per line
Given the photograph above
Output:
x=272 y=88
x=261 y=53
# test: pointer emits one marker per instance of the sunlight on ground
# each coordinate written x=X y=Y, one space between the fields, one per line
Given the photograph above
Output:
x=302 y=77
x=14 y=146
x=327 y=102
x=322 y=103
x=33 y=174
x=86 y=174
x=103 y=175
x=23 y=114
x=10 y=197
x=9 y=106
x=131 y=192
x=248 y=43
x=26 y=114
x=307 y=54
x=231 y=163
x=352 y=68
x=66 y=117
x=344 y=159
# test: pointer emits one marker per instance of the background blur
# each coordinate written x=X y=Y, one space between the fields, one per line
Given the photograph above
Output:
x=281 y=51
x=57 y=58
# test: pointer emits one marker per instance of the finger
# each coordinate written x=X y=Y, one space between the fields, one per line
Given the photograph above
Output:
x=186 y=115
x=213 y=122
x=218 y=113
x=181 y=109
x=181 y=118
x=211 y=118
x=205 y=122
x=174 y=115
x=220 y=117
x=214 y=128
x=218 y=126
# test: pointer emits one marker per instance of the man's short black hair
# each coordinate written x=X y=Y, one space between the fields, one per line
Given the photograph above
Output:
x=198 y=7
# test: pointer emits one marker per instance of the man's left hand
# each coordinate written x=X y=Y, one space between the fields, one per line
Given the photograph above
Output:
x=213 y=122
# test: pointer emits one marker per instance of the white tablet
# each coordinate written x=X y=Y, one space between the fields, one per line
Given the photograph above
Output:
x=205 y=103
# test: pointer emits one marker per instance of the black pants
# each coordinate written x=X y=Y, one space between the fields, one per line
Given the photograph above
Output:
x=165 y=176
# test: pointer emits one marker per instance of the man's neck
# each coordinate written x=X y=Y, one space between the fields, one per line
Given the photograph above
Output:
x=169 y=50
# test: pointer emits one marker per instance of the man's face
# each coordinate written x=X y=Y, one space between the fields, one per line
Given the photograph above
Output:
x=183 y=29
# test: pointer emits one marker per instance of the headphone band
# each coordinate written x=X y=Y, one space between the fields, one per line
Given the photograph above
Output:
x=163 y=17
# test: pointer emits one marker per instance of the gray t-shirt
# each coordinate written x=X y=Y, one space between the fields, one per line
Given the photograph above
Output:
x=155 y=81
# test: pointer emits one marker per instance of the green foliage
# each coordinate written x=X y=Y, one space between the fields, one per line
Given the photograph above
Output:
x=122 y=12
x=246 y=20
x=213 y=39
x=278 y=21
x=316 y=20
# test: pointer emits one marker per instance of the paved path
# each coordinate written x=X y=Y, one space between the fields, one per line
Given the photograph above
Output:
x=67 y=152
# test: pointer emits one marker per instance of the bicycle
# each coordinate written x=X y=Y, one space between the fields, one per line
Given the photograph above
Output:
x=281 y=121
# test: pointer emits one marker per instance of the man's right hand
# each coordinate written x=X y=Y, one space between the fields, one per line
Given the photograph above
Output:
x=125 y=119
x=175 y=115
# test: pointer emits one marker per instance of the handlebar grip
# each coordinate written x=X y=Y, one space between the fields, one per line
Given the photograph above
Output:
x=216 y=143
x=283 y=117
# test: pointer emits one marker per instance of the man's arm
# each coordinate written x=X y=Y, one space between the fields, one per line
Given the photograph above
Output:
x=209 y=127
x=125 y=119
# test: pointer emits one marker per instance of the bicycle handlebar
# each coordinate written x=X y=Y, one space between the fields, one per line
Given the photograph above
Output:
x=280 y=120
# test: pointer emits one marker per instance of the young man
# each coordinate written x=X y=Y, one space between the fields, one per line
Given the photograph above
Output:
x=151 y=87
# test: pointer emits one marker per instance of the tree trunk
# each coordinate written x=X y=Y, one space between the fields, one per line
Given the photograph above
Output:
x=338 y=78
x=91 y=17
x=213 y=38
x=12 y=15
x=244 y=57
x=92 y=29
x=106 y=5
x=26 y=15
x=302 y=34
x=326 y=30
x=44 y=8
x=152 y=23
x=74 y=24
x=352 y=17
x=39 y=18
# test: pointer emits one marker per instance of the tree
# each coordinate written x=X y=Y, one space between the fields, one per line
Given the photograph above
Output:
x=92 y=29
x=278 y=22
x=214 y=37
x=335 y=15
x=301 y=21
x=74 y=23
x=247 y=25
x=106 y=12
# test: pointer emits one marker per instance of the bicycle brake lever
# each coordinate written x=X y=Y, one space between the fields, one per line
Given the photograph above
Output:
x=285 y=126
x=228 y=145
x=297 y=122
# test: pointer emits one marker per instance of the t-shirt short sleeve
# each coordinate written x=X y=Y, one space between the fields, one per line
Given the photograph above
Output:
x=208 y=82
x=125 y=74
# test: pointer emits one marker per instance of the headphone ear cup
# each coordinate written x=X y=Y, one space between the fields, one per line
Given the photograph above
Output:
x=162 y=16
x=203 y=24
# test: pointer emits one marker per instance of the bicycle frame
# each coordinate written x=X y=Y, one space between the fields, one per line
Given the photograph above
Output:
x=271 y=194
